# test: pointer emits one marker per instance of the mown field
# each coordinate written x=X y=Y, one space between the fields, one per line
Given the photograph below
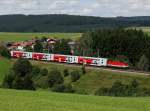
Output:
x=28 y=36
x=145 y=29
x=7 y=36
x=13 y=100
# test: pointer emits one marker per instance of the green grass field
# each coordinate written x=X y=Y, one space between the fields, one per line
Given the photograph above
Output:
x=5 y=65
x=6 y=36
x=27 y=36
x=13 y=100
x=145 y=29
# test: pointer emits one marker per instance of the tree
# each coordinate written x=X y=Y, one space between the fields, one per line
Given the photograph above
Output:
x=117 y=89
x=63 y=88
x=28 y=83
x=20 y=76
x=75 y=76
x=44 y=72
x=55 y=78
x=62 y=47
x=28 y=49
x=66 y=72
x=18 y=83
x=38 y=47
x=143 y=63
x=4 y=52
x=8 y=80
x=22 y=67
x=35 y=71
x=128 y=43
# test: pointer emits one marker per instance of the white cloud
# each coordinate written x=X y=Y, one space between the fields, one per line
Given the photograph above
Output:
x=78 y=7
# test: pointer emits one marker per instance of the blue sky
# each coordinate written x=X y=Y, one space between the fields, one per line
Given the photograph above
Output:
x=103 y=8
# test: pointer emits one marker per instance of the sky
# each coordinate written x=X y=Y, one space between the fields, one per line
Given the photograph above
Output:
x=103 y=8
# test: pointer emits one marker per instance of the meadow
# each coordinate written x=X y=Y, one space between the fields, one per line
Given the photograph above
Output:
x=28 y=36
x=13 y=100
x=14 y=36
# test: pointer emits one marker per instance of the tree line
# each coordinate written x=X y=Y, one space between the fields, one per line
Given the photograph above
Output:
x=128 y=45
x=65 y=23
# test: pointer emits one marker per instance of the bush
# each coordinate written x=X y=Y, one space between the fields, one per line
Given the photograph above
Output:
x=23 y=83
x=66 y=72
x=17 y=83
x=35 y=71
x=28 y=83
x=22 y=67
x=63 y=88
x=55 y=78
x=75 y=76
x=4 y=52
x=42 y=82
x=119 y=89
x=8 y=80
x=44 y=72
x=102 y=92
x=143 y=63
x=20 y=77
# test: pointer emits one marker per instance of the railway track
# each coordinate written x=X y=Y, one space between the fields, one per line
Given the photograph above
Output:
x=129 y=71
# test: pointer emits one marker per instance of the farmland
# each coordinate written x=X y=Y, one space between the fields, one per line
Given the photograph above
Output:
x=8 y=36
x=13 y=100
x=27 y=36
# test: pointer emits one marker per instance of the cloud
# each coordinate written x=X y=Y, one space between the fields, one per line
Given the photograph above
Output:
x=77 y=7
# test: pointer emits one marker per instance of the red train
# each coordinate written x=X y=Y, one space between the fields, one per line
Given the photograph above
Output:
x=91 y=61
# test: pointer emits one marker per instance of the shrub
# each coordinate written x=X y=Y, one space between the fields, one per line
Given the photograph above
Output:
x=4 y=52
x=44 y=72
x=119 y=89
x=35 y=71
x=28 y=83
x=8 y=80
x=20 y=77
x=17 y=83
x=22 y=67
x=42 y=82
x=38 y=47
x=66 y=72
x=63 y=88
x=55 y=78
x=75 y=76
x=143 y=63
x=102 y=92
x=58 y=88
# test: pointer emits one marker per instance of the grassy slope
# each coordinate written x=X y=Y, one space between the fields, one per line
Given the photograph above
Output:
x=12 y=100
x=95 y=79
x=89 y=82
x=27 y=36
x=5 y=65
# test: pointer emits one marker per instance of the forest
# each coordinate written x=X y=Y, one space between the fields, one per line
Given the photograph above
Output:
x=66 y=23
x=130 y=45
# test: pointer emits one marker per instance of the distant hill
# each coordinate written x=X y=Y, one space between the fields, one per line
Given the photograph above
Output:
x=66 y=23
